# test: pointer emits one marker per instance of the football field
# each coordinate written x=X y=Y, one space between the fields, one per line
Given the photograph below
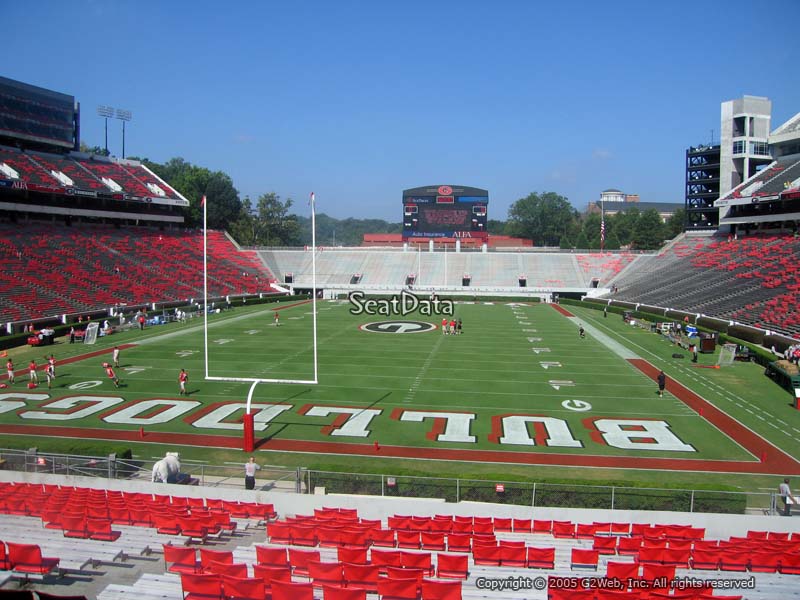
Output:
x=519 y=386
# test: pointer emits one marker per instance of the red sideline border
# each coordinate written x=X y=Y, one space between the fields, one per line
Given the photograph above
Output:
x=773 y=460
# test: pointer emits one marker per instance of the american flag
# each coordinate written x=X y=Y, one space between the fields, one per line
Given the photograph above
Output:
x=603 y=230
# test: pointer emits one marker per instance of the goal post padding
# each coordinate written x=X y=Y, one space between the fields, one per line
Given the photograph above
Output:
x=727 y=354
x=90 y=337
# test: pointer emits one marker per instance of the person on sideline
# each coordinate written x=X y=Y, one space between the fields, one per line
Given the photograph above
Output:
x=115 y=356
x=50 y=372
x=250 y=469
x=786 y=497
x=662 y=383
x=10 y=370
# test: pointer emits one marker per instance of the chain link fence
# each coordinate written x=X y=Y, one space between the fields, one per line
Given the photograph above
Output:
x=543 y=494
x=300 y=480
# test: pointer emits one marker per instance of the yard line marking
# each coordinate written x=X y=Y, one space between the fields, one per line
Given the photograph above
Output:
x=412 y=391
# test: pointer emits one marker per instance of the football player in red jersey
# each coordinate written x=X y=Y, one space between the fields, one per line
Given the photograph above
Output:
x=111 y=375
x=32 y=371
x=183 y=377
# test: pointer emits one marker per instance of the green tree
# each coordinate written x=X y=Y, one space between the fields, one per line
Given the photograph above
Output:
x=274 y=225
x=97 y=150
x=581 y=242
x=564 y=243
x=193 y=182
x=612 y=241
x=243 y=229
x=496 y=227
x=649 y=232
x=676 y=224
x=343 y=232
x=542 y=218
x=591 y=229
x=624 y=224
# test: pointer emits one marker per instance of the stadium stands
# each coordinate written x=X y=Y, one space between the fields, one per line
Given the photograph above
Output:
x=55 y=171
x=754 y=280
x=767 y=558
x=24 y=170
x=46 y=271
x=80 y=177
x=390 y=268
x=770 y=182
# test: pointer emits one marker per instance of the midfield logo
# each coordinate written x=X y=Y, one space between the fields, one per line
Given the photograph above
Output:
x=398 y=327
x=402 y=305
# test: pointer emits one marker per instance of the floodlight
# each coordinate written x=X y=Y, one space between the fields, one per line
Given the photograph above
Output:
x=124 y=116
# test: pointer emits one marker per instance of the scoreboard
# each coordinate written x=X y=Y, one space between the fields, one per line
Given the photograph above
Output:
x=445 y=211
x=37 y=117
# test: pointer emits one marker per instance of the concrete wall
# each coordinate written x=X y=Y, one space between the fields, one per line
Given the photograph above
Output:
x=717 y=526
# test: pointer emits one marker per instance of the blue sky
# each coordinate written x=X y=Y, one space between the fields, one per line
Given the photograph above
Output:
x=360 y=100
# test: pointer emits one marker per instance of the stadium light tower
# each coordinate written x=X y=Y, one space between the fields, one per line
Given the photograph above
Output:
x=124 y=116
x=106 y=112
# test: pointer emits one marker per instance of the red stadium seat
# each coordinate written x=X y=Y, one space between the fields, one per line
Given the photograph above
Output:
x=201 y=586
x=27 y=558
x=398 y=589
x=335 y=592
x=584 y=559
x=541 y=558
x=324 y=573
x=441 y=590
x=452 y=566
x=355 y=556
x=604 y=544
x=243 y=588
x=623 y=571
x=364 y=577
x=282 y=590
x=270 y=574
x=272 y=557
x=486 y=555
x=207 y=556
x=299 y=560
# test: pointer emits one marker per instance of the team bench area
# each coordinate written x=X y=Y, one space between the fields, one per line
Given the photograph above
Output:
x=788 y=375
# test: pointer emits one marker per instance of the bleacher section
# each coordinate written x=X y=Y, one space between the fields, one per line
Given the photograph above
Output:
x=17 y=167
x=771 y=181
x=46 y=271
x=493 y=269
x=754 y=280
x=36 y=170
x=335 y=552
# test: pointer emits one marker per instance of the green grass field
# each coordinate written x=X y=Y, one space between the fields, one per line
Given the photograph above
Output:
x=524 y=363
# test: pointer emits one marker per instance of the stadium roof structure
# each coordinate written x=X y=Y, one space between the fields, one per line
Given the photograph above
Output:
x=778 y=182
x=792 y=126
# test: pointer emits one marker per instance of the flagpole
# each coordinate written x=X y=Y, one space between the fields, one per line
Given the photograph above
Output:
x=602 y=224
x=205 y=279
x=314 y=277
